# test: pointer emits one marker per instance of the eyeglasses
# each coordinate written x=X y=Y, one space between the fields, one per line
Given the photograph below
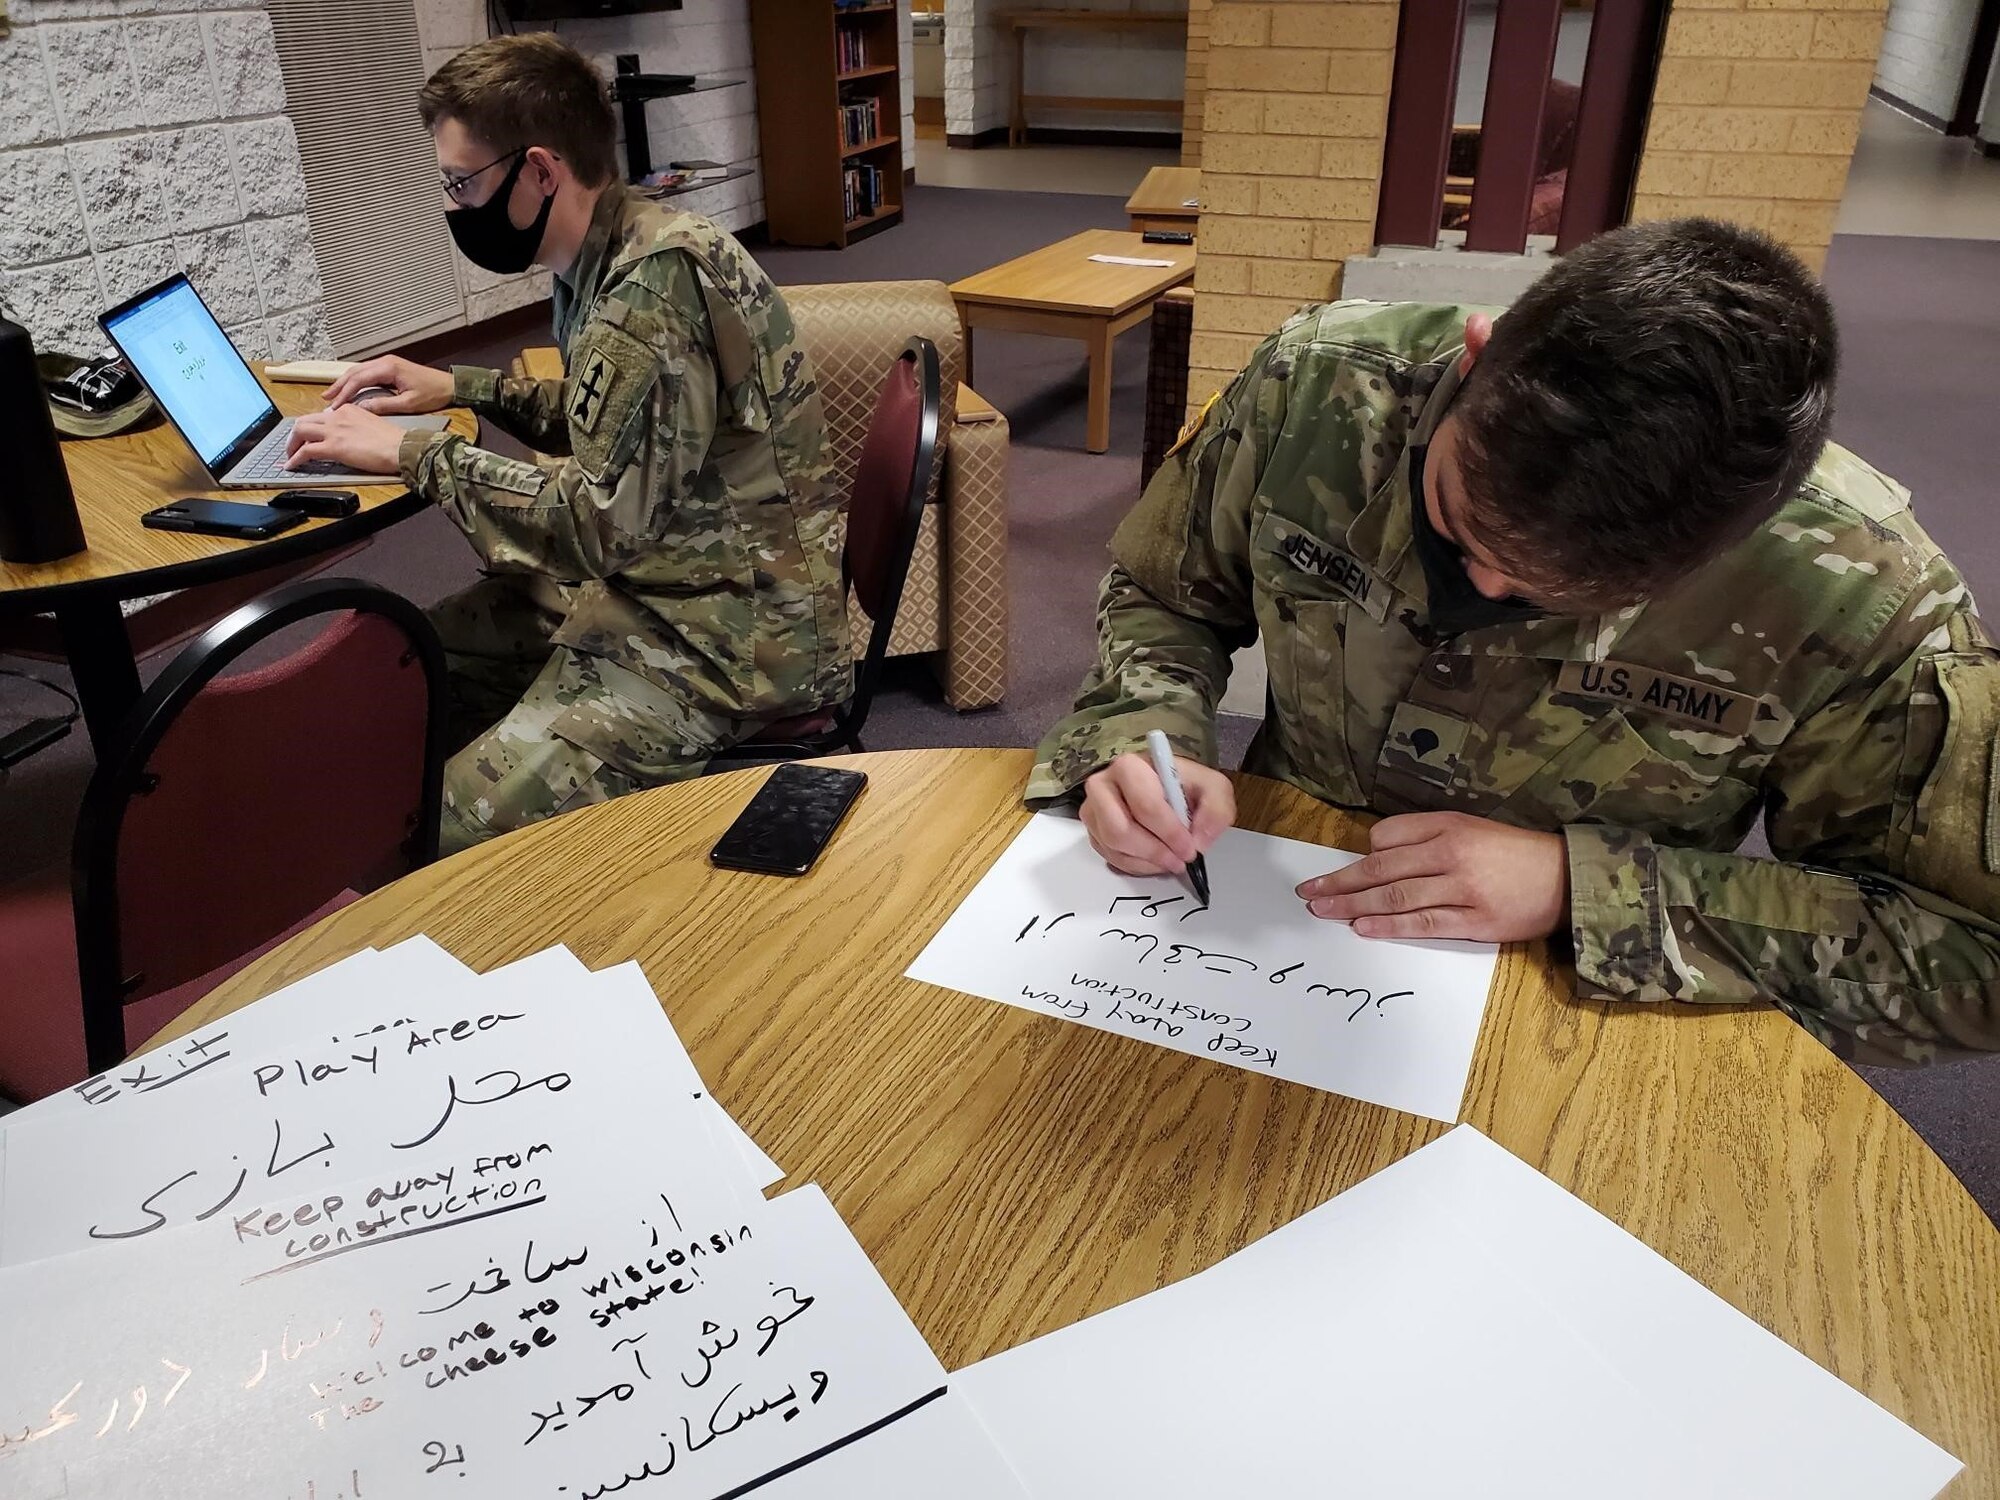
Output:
x=455 y=187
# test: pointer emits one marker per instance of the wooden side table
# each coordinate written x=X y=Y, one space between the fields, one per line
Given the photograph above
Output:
x=1061 y=292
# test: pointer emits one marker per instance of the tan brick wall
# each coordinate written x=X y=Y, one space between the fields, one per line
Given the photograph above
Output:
x=1295 y=102
x=1196 y=86
x=1756 y=112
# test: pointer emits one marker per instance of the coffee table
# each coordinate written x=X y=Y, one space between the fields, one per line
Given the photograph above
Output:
x=1061 y=292
x=1167 y=198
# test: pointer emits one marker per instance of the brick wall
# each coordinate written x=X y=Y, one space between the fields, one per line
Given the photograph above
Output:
x=1756 y=112
x=1194 y=86
x=1925 y=46
x=143 y=137
x=1295 y=107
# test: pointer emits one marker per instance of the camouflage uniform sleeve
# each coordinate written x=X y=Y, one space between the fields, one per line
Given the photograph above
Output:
x=1878 y=926
x=1177 y=600
x=640 y=415
x=531 y=410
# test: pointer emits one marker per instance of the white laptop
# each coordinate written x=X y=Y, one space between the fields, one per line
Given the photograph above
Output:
x=168 y=335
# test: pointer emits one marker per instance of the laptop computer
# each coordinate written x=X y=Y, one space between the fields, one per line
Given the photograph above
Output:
x=168 y=335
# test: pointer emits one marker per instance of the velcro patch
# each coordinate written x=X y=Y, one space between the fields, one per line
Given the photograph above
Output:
x=1715 y=709
x=592 y=390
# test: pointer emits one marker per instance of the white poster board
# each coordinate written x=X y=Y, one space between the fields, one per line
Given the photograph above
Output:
x=1455 y=1325
x=1253 y=980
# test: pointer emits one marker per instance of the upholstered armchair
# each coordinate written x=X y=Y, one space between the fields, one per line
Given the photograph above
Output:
x=954 y=606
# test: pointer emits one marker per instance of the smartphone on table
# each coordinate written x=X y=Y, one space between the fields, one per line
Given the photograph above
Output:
x=230 y=518
x=790 y=821
x=330 y=504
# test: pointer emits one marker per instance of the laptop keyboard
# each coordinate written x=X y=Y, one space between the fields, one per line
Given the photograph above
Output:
x=267 y=461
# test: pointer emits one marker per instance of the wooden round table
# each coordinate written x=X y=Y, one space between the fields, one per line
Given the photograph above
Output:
x=1011 y=1173
x=116 y=480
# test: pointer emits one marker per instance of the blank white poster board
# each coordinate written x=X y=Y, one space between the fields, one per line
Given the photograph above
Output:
x=1455 y=1325
x=1253 y=980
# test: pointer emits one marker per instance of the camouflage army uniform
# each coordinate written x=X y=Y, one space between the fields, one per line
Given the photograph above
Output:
x=675 y=581
x=1829 y=672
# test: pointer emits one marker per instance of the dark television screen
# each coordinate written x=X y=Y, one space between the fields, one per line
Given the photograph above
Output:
x=562 y=10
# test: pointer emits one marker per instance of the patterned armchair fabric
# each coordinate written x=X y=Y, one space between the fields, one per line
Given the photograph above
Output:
x=955 y=600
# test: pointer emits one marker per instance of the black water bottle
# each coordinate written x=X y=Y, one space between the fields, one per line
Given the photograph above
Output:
x=38 y=521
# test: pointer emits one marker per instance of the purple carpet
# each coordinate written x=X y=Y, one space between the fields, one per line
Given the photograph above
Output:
x=1921 y=330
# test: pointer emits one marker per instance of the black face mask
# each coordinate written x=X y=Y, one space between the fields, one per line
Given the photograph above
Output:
x=488 y=238
x=1454 y=604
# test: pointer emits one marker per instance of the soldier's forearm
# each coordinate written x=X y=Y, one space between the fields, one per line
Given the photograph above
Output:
x=530 y=411
x=1877 y=972
x=1157 y=669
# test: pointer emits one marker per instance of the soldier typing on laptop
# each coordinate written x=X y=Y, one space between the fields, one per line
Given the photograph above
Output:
x=673 y=582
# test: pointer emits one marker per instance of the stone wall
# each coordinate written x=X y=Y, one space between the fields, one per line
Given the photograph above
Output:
x=143 y=137
x=1755 y=114
x=978 y=68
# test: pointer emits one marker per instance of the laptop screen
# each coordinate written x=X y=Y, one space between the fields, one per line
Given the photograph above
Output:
x=181 y=352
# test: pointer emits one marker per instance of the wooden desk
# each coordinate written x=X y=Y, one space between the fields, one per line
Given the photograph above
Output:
x=1149 y=22
x=1163 y=200
x=118 y=479
x=1011 y=1173
x=1060 y=291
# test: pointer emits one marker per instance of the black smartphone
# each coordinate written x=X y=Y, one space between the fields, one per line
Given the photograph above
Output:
x=222 y=518
x=328 y=504
x=789 y=821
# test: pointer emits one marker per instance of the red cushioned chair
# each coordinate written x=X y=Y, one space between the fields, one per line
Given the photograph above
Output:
x=883 y=516
x=231 y=812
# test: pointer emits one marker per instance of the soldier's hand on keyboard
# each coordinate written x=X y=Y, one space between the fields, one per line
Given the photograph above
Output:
x=408 y=387
x=346 y=435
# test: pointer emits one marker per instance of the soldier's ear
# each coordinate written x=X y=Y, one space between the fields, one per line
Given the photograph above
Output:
x=1478 y=329
x=542 y=170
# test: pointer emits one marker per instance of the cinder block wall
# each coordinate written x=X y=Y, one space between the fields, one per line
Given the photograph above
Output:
x=143 y=137
x=1925 y=46
x=1756 y=112
x=1295 y=109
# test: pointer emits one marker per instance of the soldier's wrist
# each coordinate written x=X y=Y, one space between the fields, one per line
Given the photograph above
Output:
x=474 y=386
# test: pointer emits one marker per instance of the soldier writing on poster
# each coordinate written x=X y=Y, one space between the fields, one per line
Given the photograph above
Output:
x=673 y=583
x=1573 y=597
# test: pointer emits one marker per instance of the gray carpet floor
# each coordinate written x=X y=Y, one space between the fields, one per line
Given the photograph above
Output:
x=1922 y=355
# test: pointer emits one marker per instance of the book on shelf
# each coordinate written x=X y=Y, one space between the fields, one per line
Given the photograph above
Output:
x=861 y=191
x=860 y=121
x=852 y=48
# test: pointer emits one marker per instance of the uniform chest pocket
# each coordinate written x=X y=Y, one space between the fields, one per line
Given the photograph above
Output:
x=1611 y=773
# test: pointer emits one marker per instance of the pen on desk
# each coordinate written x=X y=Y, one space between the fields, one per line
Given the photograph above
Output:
x=1170 y=778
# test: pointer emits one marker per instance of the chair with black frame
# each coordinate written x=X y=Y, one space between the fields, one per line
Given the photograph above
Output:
x=884 y=514
x=230 y=813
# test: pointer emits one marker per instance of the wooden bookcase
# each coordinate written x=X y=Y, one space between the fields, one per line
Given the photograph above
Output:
x=802 y=88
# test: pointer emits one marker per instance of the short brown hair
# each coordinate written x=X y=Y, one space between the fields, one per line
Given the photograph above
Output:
x=1646 y=404
x=530 y=90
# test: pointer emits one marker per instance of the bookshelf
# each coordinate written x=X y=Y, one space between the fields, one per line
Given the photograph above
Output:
x=829 y=119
